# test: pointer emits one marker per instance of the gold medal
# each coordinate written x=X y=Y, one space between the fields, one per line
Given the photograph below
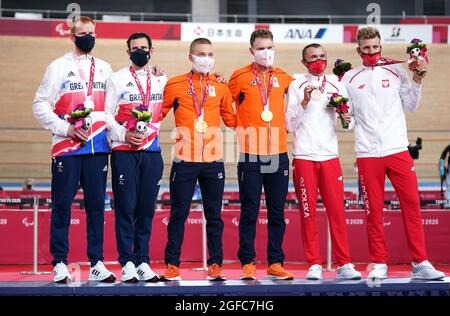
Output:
x=201 y=126
x=266 y=116
x=316 y=95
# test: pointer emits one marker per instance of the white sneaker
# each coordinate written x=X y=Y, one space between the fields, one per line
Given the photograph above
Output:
x=379 y=271
x=129 y=273
x=348 y=272
x=100 y=273
x=425 y=271
x=315 y=272
x=146 y=274
x=61 y=273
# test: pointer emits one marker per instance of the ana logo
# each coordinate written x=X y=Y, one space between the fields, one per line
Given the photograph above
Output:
x=362 y=86
x=412 y=168
x=305 y=33
x=105 y=169
x=121 y=180
x=71 y=74
x=385 y=83
x=220 y=175
x=129 y=84
x=165 y=220
x=286 y=173
x=235 y=221
x=27 y=223
x=340 y=178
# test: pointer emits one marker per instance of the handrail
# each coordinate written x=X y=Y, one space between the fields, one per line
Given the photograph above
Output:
x=231 y=18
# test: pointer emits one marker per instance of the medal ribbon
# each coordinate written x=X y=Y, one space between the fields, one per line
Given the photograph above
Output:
x=144 y=96
x=91 y=75
x=322 y=86
x=199 y=109
x=387 y=61
x=264 y=98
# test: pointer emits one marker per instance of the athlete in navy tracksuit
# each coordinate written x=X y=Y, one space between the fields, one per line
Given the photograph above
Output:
x=198 y=101
x=136 y=160
x=76 y=81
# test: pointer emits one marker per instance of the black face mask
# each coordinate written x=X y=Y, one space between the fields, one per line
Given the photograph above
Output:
x=85 y=43
x=140 y=57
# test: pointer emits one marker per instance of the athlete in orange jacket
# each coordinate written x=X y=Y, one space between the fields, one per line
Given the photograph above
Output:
x=192 y=145
x=258 y=90
x=198 y=101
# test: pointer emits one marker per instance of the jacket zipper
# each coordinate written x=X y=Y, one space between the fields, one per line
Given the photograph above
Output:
x=201 y=108
x=268 y=123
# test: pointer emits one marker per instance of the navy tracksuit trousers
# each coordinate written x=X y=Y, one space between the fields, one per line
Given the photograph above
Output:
x=68 y=173
x=136 y=177
x=183 y=179
x=254 y=172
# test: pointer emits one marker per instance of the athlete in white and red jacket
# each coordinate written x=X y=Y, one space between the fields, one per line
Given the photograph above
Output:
x=380 y=93
x=136 y=160
x=76 y=82
x=316 y=160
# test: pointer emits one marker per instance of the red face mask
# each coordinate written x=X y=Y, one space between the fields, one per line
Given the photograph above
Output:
x=316 y=67
x=371 y=59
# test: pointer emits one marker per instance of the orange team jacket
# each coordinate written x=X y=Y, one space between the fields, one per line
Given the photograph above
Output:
x=255 y=136
x=191 y=145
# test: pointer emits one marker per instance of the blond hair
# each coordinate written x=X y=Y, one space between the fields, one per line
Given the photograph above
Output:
x=80 y=19
x=260 y=33
x=197 y=41
x=367 y=32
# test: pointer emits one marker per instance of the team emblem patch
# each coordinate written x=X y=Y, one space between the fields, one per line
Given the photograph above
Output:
x=212 y=91
x=275 y=82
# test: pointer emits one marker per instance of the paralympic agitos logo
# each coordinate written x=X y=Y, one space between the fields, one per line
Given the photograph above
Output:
x=305 y=33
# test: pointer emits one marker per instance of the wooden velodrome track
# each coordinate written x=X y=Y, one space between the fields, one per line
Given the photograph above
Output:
x=25 y=147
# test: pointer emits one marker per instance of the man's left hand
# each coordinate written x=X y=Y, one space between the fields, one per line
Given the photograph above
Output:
x=347 y=117
x=220 y=78
x=419 y=70
x=157 y=70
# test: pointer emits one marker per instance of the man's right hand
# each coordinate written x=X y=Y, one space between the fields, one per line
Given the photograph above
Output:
x=78 y=134
x=306 y=96
x=134 y=139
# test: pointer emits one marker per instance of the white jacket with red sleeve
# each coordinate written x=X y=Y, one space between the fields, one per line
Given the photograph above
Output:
x=380 y=96
x=314 y=128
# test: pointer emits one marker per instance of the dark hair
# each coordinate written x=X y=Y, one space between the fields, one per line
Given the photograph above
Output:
x=200 y=40
x=260 y=33
x=314 y=45
x=139 y=35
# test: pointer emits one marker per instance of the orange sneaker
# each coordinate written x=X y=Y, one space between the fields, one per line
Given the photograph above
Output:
x=215 y=273
x=277 y=272
x=172 y=273
x=248 y=271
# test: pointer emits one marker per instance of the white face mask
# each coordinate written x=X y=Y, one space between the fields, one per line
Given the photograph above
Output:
x=264 y=57
x=202 y=64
